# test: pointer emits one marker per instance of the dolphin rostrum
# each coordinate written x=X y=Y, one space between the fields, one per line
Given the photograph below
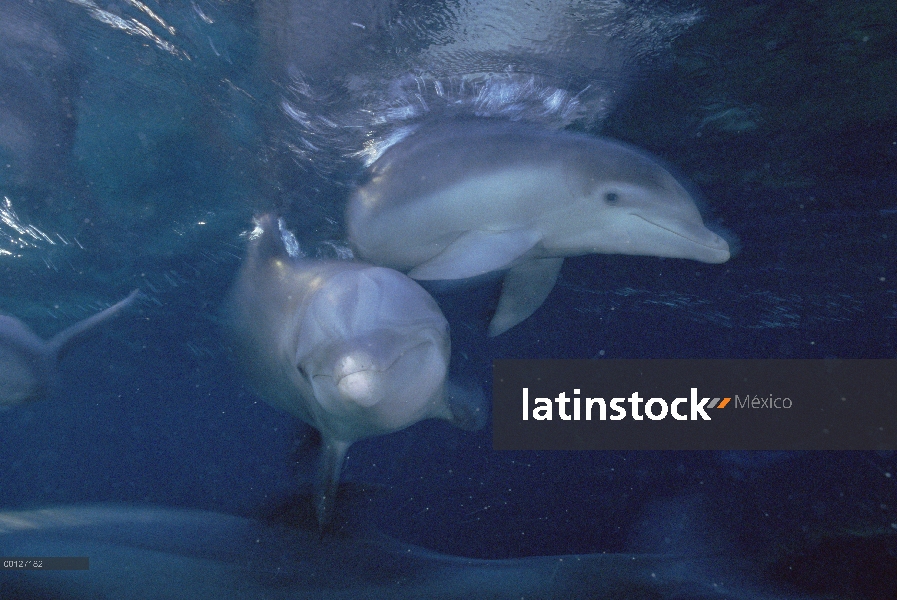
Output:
x=462 y=198
x=352 y=349
x=28 y=364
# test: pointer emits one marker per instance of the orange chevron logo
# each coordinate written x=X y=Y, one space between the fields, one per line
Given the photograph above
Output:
x=715 y=403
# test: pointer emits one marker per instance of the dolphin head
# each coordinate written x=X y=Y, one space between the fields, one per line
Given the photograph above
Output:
x=626 y=202
x=374 y=347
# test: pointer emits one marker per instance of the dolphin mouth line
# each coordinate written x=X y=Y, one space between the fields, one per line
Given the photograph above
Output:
x=676 y=233
x=372 y=369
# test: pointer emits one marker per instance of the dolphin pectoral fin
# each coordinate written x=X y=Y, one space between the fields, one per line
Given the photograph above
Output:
x=333 y=454
x=476 y=252
x=524 y=290
x=64 y=340
x=467 y=405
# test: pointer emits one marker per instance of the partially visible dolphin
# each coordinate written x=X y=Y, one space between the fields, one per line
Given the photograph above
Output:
x=38 y=94
x=144 y=553
x=465 y=197
x=352 y=349
x=28 y=364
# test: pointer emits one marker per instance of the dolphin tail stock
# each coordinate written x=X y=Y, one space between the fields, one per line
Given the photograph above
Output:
x=467 y=405
x=62 y=342
x=525 y=288
x=333 y=455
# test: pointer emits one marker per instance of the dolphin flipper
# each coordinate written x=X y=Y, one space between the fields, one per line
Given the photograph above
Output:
x=28 y=365
x=476 y=252
x=524 y=290
x=467 y=405
x=60 y=343
x=333 y=455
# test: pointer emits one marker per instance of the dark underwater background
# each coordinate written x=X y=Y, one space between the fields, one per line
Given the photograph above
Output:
x=147 y=151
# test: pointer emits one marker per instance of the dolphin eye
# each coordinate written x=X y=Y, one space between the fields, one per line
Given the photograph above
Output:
x=302 y=371
x=611 y=198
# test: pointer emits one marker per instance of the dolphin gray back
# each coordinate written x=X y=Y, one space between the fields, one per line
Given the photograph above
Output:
x=439 y=154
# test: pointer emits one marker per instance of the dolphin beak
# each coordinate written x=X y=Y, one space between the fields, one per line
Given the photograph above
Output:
x=697 y=242
x=357 y=378
x=718 y=251
x=365 y=375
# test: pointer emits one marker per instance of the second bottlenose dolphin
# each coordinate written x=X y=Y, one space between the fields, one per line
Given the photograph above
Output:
x=465 y=197
x=353 y=350
x=28 y=363
x=150 y=552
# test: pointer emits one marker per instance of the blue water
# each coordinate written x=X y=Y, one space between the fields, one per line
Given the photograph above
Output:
x=174 y=148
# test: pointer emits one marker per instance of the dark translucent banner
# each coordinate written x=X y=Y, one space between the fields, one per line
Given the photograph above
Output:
x=44 y=563
x=695 y=405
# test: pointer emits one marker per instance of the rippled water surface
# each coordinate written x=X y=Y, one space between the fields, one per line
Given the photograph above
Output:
x=138 y=140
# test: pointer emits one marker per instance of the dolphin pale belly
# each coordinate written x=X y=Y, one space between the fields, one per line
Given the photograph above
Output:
x=153 y=552
x=351 y=349
x=28 y=364
x=462 y=198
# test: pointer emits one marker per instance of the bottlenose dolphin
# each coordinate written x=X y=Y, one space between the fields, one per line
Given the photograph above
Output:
x=153 y=552
x=40 y=87
x=352 y=349
x=462 y=198
x=28 y=364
